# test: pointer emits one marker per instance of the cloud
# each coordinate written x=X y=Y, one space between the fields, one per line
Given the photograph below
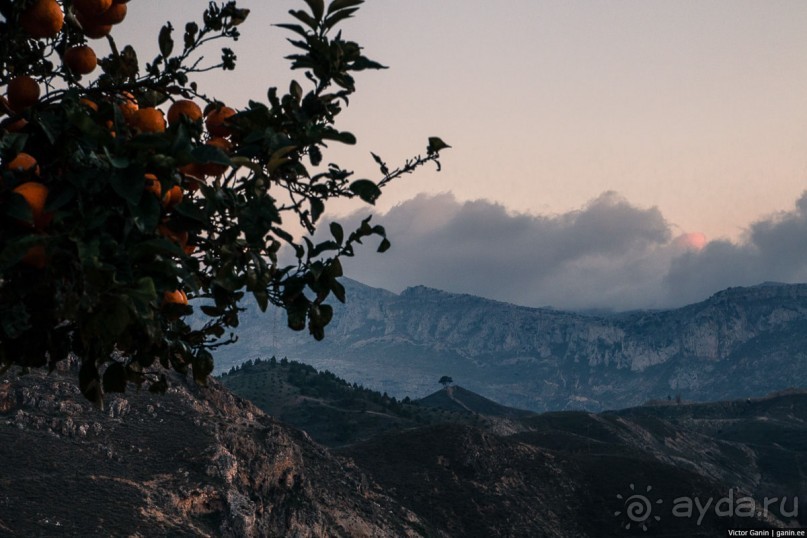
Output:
x=773 y=249
x=608 y=254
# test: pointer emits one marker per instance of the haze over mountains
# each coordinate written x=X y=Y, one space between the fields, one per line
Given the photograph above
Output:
x=740 y=342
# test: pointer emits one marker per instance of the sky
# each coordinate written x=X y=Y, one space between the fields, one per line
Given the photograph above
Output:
x=605 y=154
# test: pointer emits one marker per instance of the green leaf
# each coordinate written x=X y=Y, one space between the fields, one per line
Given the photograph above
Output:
x=337 y=232
x=191 y=211
x=129 y=184
x=338 y=290
x=317 y=8
x=296 y=28
x=209 y=154
x=15 y=250
x=296 y=90
x=146 y=213
x=363 y=63
x=322 y=313
x=116 y=162
x=344 y=136
x=18 y=209
x=322 y=247
x=165 y=40
x=296 y=313
x=14 y=143
x=334 y=268
x=212 y=311
x=304 y=17
x=262 y=298
x=336 y=5
x=317 y=208
x=337 y=17
x=143 y=292
x=381 y=164
x=435 y=145
x=366 y=190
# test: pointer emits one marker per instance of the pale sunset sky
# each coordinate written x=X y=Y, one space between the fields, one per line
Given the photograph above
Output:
x=588 y=138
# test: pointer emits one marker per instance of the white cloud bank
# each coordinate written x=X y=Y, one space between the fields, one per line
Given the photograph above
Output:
x=609 y=254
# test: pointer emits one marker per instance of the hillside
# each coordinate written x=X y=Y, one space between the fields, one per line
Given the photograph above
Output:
x=336 y=413
x=571 y=473
x=459 y=399
x=477 y=468
x=203 y=462
x=193 y=462
x=740 y=342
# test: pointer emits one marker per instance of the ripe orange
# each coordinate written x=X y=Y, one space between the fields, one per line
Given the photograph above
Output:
x=42 y=19
x=89 y=104
x=91 y=27
x=153 y=185
x=193 y=170
x=91 y=7
x=35 y=257
x=186 y=108
x=172 y=197
x=23 y=163
x=80 y=59
x=148 y=120
x=110 y=126
x=114 y=15
x=127 y=105
x=35 y=194
x=180 y=238
x=216 y=121
x=175 y=297
x=23 y=92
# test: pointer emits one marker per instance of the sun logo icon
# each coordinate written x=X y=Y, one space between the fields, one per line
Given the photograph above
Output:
x=638 y=508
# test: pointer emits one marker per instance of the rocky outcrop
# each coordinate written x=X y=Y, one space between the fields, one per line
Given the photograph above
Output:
x=197 y=461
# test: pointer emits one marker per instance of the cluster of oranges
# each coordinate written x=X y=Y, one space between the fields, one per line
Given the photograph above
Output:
x=194 y=174
x=45 y=19
x=35 y=194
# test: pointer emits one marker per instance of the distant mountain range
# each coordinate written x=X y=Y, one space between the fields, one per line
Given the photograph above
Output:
x=740 y=342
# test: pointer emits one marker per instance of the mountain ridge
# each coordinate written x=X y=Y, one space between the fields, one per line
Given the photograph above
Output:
x=541 y=358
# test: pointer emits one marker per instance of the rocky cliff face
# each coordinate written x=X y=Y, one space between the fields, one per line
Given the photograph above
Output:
x=193 y=462
x=742 y=341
